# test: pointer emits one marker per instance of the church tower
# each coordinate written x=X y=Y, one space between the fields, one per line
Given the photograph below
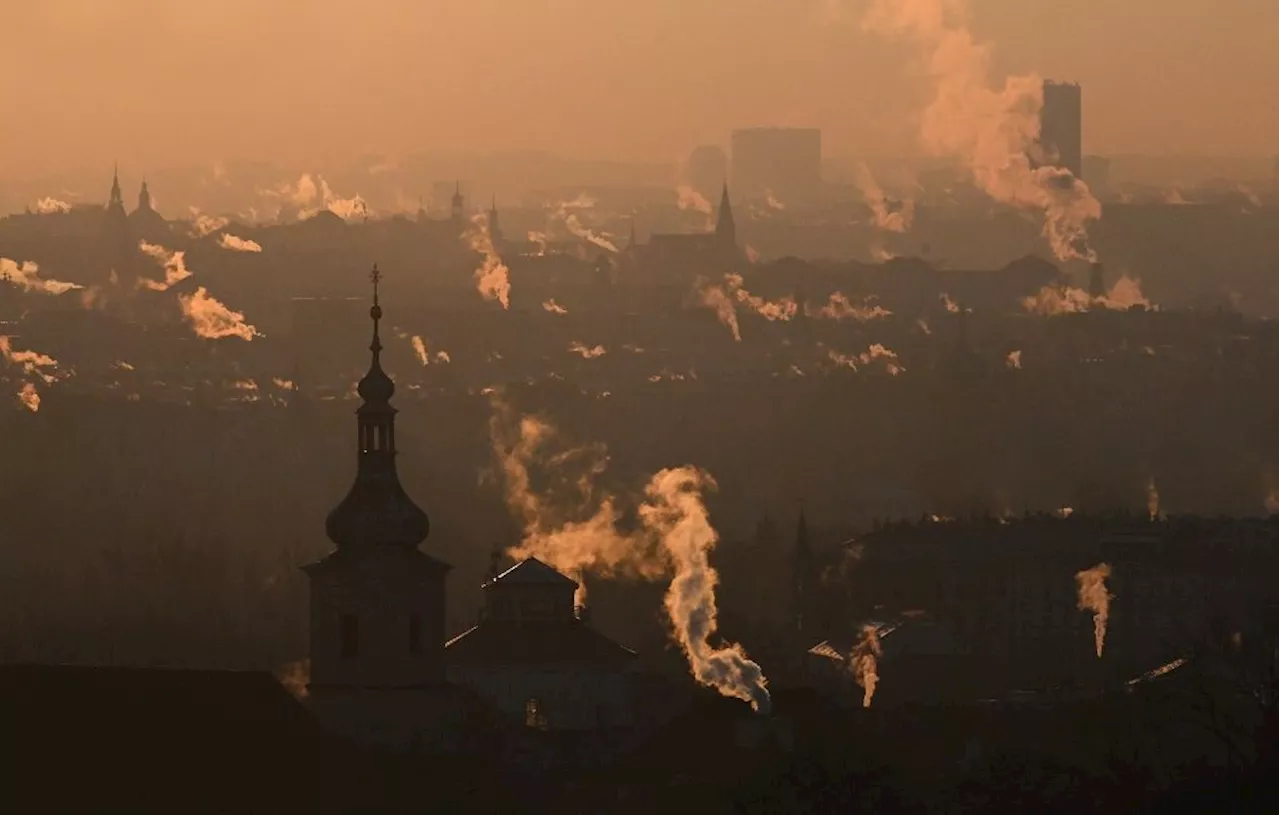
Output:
x=725 y=229
x=495 y=231
x=377 y=601
x=456 y=206
x=144 y=198
x=115 y=205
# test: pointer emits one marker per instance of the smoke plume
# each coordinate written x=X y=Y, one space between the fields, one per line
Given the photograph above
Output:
x=674 y=511
x=578 y=534
x=33 y=363
x=722 y=298
x=420 y=349
x=492 y=277
x=25 y=274
x=993 y=131
x=772 y=202
x=566 y=213
x=29 y=397
x=1153 y=500
x=583 y=351
x=838 y=307
x=552 y=307
x=211 y=319
x=886 y=215
x=205 y=225
x=295 y=676
x=716 y=298
x=1092 y=595
x=689 y=198
x=1014 y=360
x=864 y=660
x=229 y=241
x=1124 y=294
x=175 y=269
x=51 y=206
x=873 y=352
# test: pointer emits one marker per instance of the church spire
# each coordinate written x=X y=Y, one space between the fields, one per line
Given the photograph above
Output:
x=115 y=205
x=376 y=511
x=724 y=219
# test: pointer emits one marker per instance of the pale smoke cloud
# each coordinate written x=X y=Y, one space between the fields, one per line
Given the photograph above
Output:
x=886 y=216
x=992 y=131
x=248 y=388
x=121 y=365
x=540 y=238
x=1014 y=360
x=284 y=384
x=723 y=297
x=204 y=225
x=873 y=352
x=175 y=269
x=1124 y=294
x=583 y=351
x=674 y=537
x=492 y=277
x=26 y=275
x=33 y=363
x=864 y=660
x=29 y=397
x=443 y=357
x=714 y=297
x=51 y=206
x=689 y=199
x=211 y=319
x=674 y=511
x=310 y=195
x=1064 y=512
x=553 y=307
x=950 y=305
x=420 y=350
x=345 y=208
x=1173 y=197
x=635 y=349
x=295 y=676
x=1153 y=500
x=880 y=254
x=567 y=213
x=235 y=244
x=838 y=307
x=772 y=202
x=924 y=326
x=1092 y=595
x=752 y=255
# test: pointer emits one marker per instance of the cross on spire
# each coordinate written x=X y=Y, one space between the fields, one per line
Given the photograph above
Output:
x=374 y=277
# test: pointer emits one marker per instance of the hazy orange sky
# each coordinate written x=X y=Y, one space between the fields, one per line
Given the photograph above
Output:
x=162 y=82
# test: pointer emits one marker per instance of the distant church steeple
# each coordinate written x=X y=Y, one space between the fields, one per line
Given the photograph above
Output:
x=115 y=205
x=495 y=231
x=724 y=219
x=144 y=197
x=456 y=206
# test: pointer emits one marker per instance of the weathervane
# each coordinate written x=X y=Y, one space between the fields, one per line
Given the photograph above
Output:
x=375 y=276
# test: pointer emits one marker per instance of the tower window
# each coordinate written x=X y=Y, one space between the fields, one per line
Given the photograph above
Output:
x=415 y=635
x=350 y=645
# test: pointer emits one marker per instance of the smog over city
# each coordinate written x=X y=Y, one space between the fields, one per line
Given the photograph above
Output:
x=705 y=406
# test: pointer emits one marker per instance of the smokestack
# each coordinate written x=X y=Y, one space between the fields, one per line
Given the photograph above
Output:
x=1097 y=283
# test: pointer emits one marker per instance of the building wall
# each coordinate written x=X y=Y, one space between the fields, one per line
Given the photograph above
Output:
x=568 y=699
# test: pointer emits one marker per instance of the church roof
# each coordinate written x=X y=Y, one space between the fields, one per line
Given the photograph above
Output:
x=532 y=571
x=554 y=644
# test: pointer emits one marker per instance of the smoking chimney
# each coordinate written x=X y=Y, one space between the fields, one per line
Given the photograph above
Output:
x=1097 y=284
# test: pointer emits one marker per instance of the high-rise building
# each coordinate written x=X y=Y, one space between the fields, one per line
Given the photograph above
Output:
x=1060 y=128
x=706 y=168
x=784 y=163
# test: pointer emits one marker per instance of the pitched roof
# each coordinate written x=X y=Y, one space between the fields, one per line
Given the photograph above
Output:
x=495 y=644
x=531 y=570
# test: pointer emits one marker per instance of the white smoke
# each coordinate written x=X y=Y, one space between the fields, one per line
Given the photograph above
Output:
x=204 y=225
x=993 y=131
x=566 y=212
x=211 y=319
x=235 y=244
x=724 y=298
x=29 y=397
x=33 y=363
x=864 y=661
x=690 y=199
x=175 y=269
x=492 y=277
x=1124 y=294
x=26 y=275
x=585 y=352
x=553 y=307
x=1013 y=360
x=838 y=307
x=886 y=216
x=1092 y=595
x=51 y=206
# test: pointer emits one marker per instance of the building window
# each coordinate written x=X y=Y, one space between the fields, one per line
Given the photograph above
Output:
x=533 y=715
x=350 y=645
x=415 y=635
